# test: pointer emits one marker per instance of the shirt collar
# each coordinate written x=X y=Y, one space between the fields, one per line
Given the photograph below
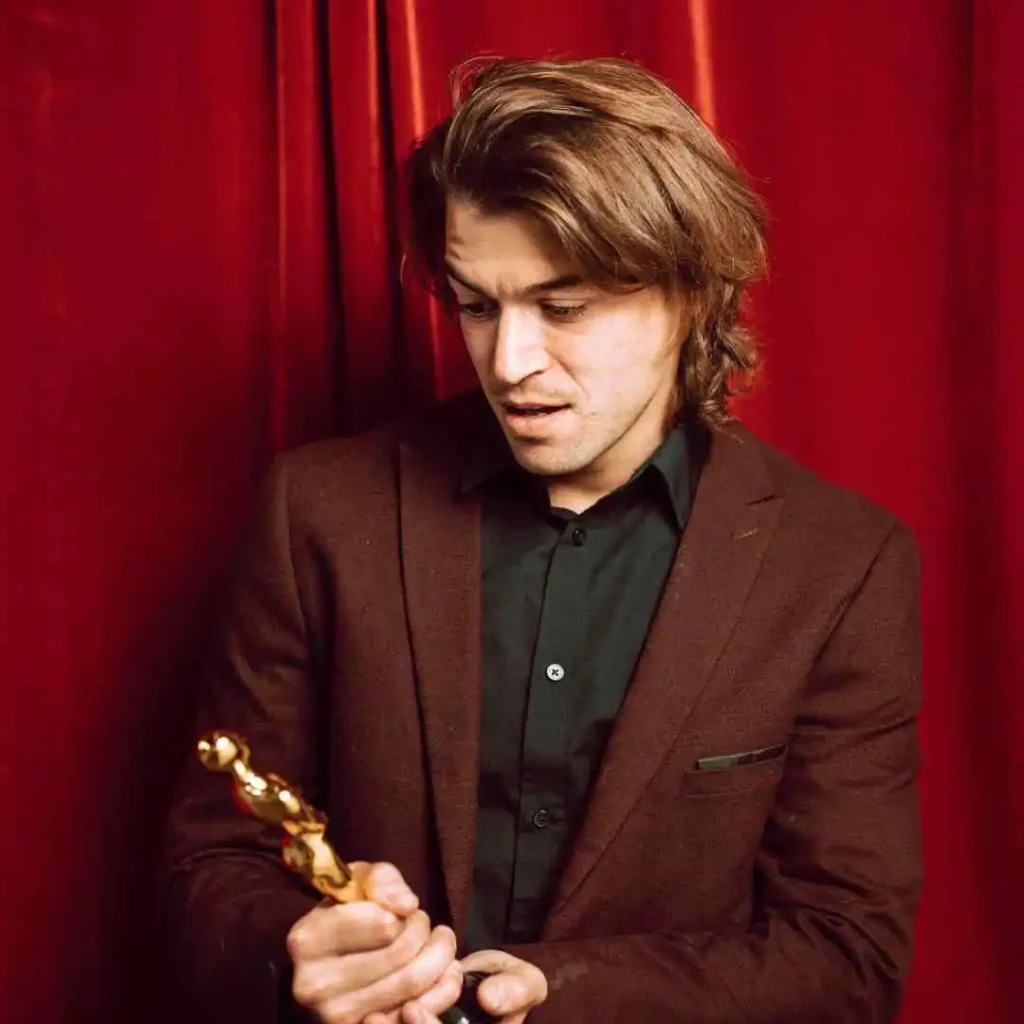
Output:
x=671 y=461
x=489 y=456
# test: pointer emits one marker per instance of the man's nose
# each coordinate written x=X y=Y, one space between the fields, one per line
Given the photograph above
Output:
x=519 y=350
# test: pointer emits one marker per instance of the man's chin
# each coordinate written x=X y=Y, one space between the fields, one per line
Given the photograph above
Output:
x=546 y=459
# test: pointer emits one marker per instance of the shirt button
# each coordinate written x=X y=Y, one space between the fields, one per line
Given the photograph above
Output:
x=540 y=818
x=555 y=672
x=579 y=536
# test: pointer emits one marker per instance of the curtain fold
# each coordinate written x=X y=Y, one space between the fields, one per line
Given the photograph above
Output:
x=303 y=324
x=202 y=267
x=375 y=375
x=987 y=349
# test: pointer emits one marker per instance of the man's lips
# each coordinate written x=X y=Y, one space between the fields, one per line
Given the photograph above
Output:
x=531 y=420
x=526 y=407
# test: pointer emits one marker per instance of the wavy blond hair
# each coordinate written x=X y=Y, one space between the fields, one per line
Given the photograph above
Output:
x=633 y=185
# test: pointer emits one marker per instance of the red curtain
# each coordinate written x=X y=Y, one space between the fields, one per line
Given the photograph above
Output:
x=200 y=266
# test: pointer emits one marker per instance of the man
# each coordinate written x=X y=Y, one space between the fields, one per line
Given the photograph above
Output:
x=613 y=701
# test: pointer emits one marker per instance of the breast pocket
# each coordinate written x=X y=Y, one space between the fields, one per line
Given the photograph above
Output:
x=699 y=833
x=757 y=770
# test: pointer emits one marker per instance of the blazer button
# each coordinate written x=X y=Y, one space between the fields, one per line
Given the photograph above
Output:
x=555 y=672
x=540 y=818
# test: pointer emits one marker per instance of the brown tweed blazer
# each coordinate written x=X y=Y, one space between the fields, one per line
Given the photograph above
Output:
x=776 y=891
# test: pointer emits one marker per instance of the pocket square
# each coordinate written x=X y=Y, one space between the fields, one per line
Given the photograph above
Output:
x=724 y=761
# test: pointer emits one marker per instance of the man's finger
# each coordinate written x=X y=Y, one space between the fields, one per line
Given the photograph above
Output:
x=413 y=1013
x=384 y=884
x=393 y=1017
x=504 y=993
x=514 y=986
x=443 y=995
x=342 y=928
x=321 y=980
x=398 y=987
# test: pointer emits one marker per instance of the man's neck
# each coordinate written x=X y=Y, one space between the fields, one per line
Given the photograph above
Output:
x=582 y=490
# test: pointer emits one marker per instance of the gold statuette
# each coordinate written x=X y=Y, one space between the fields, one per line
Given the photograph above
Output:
x=274 y=801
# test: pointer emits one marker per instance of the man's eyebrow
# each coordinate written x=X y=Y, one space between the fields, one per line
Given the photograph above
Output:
x=563 y=281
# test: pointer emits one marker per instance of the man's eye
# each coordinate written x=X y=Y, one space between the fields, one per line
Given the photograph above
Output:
x=564 y=312
x=477 y=310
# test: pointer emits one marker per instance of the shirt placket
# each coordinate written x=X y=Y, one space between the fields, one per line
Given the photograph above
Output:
x=554 y=675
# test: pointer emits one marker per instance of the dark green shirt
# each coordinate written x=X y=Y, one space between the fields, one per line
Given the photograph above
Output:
x=567 y=603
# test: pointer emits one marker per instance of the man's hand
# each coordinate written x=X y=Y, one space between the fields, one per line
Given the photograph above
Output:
x=512 y=990
x=363 y=961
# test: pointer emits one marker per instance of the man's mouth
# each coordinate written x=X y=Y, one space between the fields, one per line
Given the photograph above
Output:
x=531 y=420
x=532 y=410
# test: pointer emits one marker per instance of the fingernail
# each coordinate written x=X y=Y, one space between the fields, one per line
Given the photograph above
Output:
x=400 y=898
x=497 y=995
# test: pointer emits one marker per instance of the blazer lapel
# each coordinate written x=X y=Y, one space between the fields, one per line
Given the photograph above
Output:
x=724 y=542
x=440 y=541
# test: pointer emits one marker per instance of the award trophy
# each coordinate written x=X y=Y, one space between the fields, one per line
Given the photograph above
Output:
x=306 y=849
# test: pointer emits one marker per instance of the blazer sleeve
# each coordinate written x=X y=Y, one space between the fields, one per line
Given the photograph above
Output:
x=838 y=871
x=226 y=902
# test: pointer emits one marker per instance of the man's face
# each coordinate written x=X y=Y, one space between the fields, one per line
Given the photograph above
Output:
x=580 y=379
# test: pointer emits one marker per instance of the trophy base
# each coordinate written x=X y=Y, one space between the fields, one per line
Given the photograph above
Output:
x=468 y=1010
